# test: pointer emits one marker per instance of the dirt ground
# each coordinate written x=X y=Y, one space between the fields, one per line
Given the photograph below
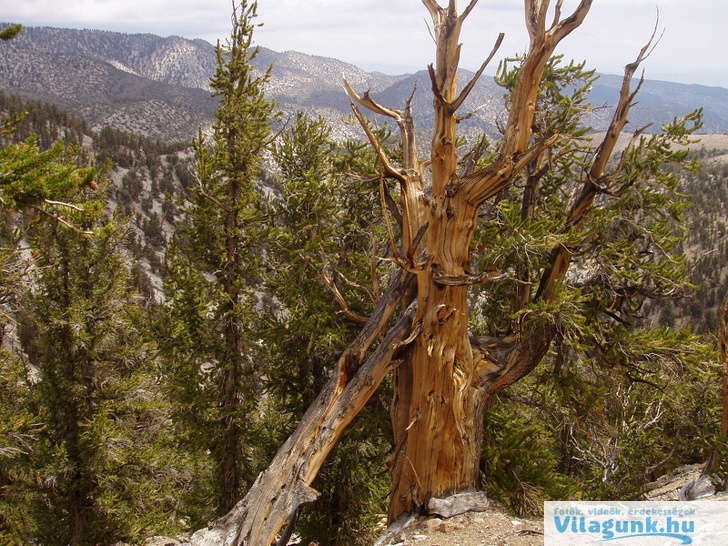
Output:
x=494 y=527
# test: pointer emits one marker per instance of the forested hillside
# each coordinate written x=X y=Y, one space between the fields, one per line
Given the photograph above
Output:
x=147 y=181
x=170 y=312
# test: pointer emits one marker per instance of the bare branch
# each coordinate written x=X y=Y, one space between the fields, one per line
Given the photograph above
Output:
x=272 y=498
x=434 y=9
x=469 y=87
x=467 y=11
x=557 y=13
x=470 y=114
x=535 y=17
x=387 y=221
x=429 y=31
x=619 y=119
x=473 y=279
x=62 y=204
x=435 y=87
x=570 y=23
x=212 y=199
x=649 y=47
x=484 y=184
x=376 y=288
x=623 y=158
x=368 y=102
x=62 y=221
x=383 y=159
x=408 y=105
x=392 y=206
x=331 y=285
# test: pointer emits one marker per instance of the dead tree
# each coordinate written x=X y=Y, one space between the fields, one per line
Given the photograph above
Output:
x=443 y=376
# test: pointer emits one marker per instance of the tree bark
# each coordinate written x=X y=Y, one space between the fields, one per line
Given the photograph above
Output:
x=229 y=465
x=78 y=486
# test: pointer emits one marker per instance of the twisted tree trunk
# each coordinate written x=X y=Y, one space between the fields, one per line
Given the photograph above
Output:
x=440 y=394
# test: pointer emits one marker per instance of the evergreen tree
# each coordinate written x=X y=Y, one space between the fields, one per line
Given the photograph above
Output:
x=212 y=269
x=97 y=469
x=40 y=184
x=36 y=183
x=324 y=277
x=10 y=32
x=37 y=180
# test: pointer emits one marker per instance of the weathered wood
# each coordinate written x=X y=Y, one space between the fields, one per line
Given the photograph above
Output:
x=285 y=484
x=438 y=432
x=500 y=369
x=700 y=488
x=584 y=200
x=440 y=387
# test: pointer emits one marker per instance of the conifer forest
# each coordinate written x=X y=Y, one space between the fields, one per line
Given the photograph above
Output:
x=268 y=332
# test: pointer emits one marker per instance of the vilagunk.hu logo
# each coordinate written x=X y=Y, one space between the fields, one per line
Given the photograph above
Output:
x=643 y=523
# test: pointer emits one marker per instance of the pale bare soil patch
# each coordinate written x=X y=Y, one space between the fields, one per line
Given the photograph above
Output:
x=494 y=527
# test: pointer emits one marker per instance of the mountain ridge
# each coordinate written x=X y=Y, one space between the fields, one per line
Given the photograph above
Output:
x=159 y=86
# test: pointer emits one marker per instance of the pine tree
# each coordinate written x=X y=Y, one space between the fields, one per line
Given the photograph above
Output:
x=324 y=277
x=10 y=32
x=212 y=269
x=97 y=469
x=37 y=184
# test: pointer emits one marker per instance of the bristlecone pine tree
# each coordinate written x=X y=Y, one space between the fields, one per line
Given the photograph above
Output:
x=214 y=259
x=444 y=376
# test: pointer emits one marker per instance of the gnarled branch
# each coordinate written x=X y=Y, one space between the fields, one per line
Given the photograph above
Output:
x=485 y=183
x=469 y=87
x=390 y=169
x=285 y=485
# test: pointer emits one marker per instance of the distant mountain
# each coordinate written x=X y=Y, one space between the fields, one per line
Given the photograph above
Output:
x=159 y=86
x=659 y=102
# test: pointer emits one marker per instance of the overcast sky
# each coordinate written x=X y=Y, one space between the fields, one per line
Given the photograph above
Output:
x=392 y=36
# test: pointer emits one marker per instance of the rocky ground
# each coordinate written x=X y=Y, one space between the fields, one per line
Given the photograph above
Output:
x=494 y=526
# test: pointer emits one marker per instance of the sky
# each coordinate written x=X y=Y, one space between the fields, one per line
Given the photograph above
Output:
x=392 y=35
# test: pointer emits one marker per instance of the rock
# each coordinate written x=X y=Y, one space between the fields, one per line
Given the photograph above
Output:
x=162 y=541
x=433 y=524
x=395 y=530
x=474 y=501
x=697 y=489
